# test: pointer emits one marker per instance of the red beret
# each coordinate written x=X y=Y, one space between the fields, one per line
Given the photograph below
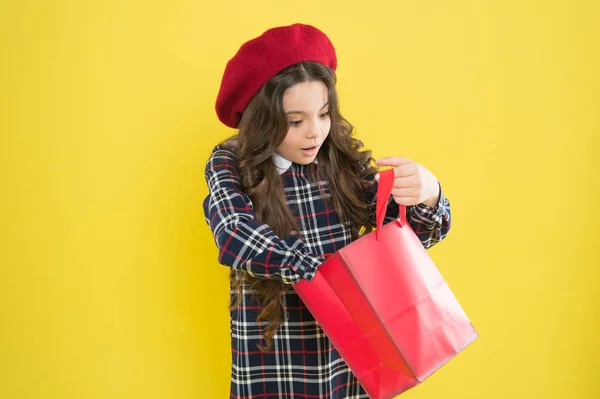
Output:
x=261 y=58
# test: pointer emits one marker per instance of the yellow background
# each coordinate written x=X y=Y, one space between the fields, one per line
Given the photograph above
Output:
x=109 y=285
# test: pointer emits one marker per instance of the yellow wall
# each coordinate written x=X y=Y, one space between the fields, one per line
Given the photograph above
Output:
x=109 y=285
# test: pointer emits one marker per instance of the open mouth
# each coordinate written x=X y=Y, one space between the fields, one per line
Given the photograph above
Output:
x=309 y=148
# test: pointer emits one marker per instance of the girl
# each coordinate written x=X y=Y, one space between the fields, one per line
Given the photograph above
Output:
x=292 y=186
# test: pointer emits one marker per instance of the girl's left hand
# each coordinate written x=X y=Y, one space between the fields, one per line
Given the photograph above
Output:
x=413 y=183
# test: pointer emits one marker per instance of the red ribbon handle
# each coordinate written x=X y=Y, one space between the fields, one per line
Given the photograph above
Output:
x=384 y=190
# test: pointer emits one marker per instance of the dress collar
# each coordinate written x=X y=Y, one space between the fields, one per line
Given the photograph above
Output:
x=283 y=164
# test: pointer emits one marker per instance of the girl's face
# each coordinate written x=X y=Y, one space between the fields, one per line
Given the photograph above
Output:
x=305 y=105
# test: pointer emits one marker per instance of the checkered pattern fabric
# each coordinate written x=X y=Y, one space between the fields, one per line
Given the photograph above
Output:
x=302 y=364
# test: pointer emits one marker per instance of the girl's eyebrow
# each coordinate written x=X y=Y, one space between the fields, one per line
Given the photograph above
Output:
x=302 y=112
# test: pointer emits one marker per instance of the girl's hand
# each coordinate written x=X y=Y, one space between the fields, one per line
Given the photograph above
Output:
x=413 y=183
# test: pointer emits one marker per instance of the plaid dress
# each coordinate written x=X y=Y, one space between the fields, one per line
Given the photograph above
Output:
x=303 y=363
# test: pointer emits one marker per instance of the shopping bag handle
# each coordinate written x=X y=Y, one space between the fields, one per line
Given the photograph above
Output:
x=384 y=190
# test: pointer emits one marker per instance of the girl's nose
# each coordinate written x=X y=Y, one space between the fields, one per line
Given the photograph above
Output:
x=313 y=130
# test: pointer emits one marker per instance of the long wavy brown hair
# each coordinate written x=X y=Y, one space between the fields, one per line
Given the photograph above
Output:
x=342 y=163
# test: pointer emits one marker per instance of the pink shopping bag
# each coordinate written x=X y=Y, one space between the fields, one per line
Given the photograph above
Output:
x=385 y=306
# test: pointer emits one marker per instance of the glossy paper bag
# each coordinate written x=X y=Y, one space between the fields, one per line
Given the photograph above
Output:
x=385 y=306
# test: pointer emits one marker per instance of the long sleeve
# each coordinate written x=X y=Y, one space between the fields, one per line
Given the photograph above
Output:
x=243 y=242
x=431 y=224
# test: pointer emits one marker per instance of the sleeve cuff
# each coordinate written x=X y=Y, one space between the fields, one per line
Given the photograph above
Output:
x=305 y=269
x=431 y=215
x=309 y=267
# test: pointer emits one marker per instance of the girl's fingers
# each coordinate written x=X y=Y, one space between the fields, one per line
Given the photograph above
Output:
x=405 y=192
x=406 y=201
x=392 y=161
x=407 y=182
x=407 y=169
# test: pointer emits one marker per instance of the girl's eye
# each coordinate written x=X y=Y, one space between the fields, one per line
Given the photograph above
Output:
x=298 y=122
